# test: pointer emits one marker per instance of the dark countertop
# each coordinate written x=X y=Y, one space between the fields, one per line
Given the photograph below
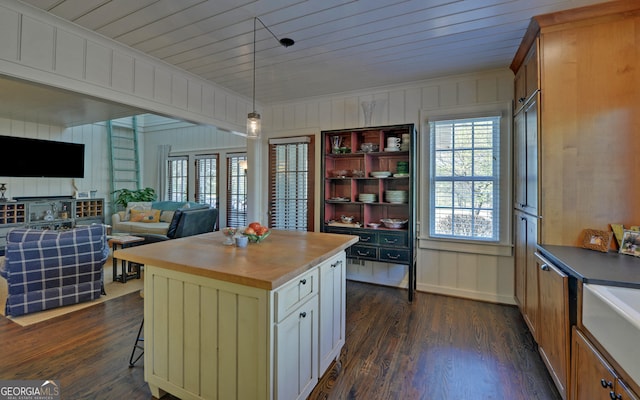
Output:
x=590 y=266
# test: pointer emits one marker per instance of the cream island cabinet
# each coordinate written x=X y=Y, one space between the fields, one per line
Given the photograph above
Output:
x=261 y=322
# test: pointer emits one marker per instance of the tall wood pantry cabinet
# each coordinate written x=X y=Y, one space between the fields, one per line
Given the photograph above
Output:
x=576 y=147
x=525 y=184
x=362 y=187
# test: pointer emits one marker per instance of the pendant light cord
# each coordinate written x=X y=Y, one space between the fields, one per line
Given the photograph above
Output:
x=254 y=63
x=286 y=42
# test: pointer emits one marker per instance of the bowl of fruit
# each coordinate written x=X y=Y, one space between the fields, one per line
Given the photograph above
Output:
x=256 y=232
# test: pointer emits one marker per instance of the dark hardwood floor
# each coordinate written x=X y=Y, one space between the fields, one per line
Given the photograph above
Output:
x=436 y=348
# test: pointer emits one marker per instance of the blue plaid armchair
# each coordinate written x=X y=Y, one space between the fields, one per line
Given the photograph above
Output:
x=48 y=269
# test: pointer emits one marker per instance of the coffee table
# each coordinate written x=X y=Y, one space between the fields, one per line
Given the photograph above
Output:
x=123 y=242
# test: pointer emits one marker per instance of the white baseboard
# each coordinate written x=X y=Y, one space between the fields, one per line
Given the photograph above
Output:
x=466 y=294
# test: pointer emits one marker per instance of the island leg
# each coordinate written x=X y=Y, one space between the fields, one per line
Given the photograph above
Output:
x=156 y=392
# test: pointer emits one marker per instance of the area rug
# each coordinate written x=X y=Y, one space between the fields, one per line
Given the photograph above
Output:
x=113 y=289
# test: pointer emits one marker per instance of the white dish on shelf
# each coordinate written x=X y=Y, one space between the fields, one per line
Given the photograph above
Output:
x=367 y=199
x=391 y=149
x=373 y=225
x=381 y=174
x=401 y=175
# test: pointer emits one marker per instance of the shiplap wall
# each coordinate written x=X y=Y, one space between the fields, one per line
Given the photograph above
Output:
x=96 y=176
x=38 y=47
x=465 y=274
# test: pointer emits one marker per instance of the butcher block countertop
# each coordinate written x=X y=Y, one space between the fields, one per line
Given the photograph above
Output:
x=266 y=265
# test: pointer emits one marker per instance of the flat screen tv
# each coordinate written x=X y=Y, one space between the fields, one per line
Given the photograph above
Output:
x=36 y=158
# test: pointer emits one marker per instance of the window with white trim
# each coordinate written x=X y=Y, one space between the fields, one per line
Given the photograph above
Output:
x=177 y=176
x=465 y=178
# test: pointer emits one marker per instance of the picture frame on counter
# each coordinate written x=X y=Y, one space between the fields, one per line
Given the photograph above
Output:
x=595 y=239
x=630 y=244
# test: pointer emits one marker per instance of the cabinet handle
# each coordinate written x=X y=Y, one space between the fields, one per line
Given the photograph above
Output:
x=360 y=253
x=614 y=396
x=365 y=239
x=544 y=267
x=394 y=241
x=392 y=257
x=303 y=281
x=521 y=100
x=606 y=383
x=303 y=315
x=335 y=264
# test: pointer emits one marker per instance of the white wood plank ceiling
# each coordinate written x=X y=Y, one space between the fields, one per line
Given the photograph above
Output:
x=341 y=45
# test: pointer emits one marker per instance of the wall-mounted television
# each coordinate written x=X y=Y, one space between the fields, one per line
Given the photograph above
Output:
x=36 y=158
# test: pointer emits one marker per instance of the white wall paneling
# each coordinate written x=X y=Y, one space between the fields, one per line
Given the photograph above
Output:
x=471 y=273
x=96 y=176
x=38 y=47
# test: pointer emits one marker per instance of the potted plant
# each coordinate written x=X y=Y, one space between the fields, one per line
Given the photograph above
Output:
x=124 y=196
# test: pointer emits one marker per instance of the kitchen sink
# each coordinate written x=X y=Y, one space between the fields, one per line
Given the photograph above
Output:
x=612 y=315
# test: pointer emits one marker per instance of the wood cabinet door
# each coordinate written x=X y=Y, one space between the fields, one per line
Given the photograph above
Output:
x=593 y=378
x=531 y=71
x=622 y=392
x=526 y=79
x=531 y=155
x=520 y=88
x=520 y=251
x=519 y=160
x=553 y=329
x=531 y=290
x=525 y=157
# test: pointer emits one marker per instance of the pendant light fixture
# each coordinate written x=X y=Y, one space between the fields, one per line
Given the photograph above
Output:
x=254 y=126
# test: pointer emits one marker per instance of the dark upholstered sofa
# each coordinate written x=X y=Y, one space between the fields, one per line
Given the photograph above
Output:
x=47 y=269
x=187 y=222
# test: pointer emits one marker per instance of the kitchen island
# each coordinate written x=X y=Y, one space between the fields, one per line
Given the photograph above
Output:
x=261 y=322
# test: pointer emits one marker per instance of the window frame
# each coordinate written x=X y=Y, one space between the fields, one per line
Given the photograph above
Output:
x=184 y=178
x=215 y=181
x=473 y=179
x=501 y=247
x=309 y=141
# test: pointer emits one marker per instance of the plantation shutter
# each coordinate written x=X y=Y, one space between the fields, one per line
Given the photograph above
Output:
x=291 y=183
x=465 y=178
x=207 y=179
x=236 y=190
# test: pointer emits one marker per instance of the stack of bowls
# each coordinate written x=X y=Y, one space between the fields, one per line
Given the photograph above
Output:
x=396 y=196
x=367 y=197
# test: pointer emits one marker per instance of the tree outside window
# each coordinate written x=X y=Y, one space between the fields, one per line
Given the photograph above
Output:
x=465 y=178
